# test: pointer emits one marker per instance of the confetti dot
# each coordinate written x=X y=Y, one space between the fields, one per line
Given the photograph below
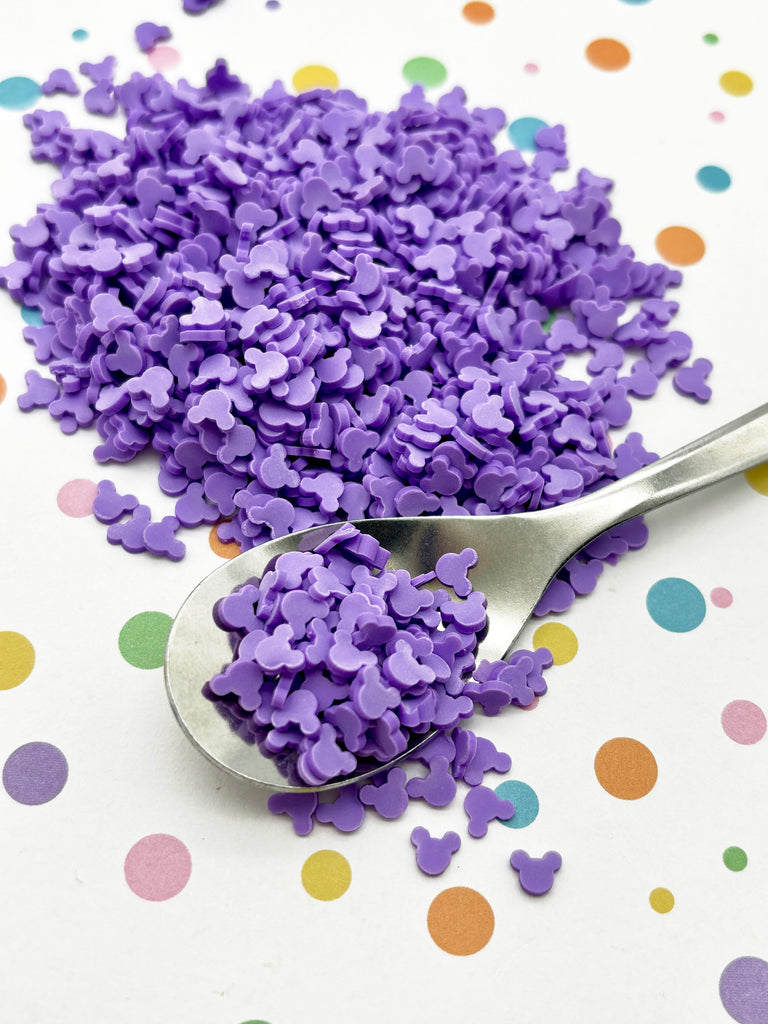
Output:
x=478 y=13
x=676 y=605
x=75 y=498
x=424 y=71
x=315 y=76
x=680 y=245
x=661 y=900
x=35 y=773
x=607 y=54
x=157 y=867
x=636 y=3
x=757 y=478
x=713 y=178
x=736 y=83
x=744 y=990
x=31 y=316
x=460 y=921
x=272 y=5
x=79 y=35
x=228 y=549
x=18 y=93
x=734 y=858
x=17 y=659
x=717 y=116
x=743 y=722
x=559 y=640
x=531 y=69
x=162 y=58
x=721 y=597
x=710 y=38
x=326 y=875
x=3 y=387
x=626 y=768
x=522 y=132
x=525 y=800
x=143 y=638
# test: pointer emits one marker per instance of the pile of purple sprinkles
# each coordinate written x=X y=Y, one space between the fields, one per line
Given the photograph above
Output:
x=312 y=312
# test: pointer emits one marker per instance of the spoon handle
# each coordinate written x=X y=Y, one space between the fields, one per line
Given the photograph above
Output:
x=733 y=448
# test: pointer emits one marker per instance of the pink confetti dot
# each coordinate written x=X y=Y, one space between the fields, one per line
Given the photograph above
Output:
x=721 y=597
x=531 y=69
x=76 y=498
x=743 y=722
x=163 y=57
x=158 y=867
x=717 y=116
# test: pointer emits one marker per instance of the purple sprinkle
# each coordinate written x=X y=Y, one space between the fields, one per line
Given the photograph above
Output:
x=536 y=874
x=433 y=854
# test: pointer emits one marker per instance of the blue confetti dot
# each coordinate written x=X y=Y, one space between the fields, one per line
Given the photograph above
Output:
x=713 y=178
x=18 y=93
x=31 y=316
x=522 y=132
x=676 y=605
x=80 y=34
x=636 y=3
x=525 y=800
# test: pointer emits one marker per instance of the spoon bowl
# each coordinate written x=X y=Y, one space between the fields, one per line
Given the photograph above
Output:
x=518 y=556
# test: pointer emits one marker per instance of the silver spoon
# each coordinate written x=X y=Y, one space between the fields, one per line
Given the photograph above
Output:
x=518 y=555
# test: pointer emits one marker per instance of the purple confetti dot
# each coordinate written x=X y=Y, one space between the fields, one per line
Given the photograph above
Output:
x=35 y=773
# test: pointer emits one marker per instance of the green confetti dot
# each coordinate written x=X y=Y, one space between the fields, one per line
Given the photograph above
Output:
x=424 y=71
x=710 y=38
x=734 y=858
x=143 y=638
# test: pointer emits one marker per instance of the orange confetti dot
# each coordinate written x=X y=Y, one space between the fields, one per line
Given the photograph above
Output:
x=230 y=549
x=680 y=246
x=3 y=387
x=607 y=54
x=460 y=921
x=626 y=768
x=478 y=13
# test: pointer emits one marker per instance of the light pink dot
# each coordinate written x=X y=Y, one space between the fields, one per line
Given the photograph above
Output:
x=76 y=498
x=163 y=57
x=717 y=116
x=743 y=722
x=158 y=867
x=529 y=707
x=721 y=597
x=531 y=69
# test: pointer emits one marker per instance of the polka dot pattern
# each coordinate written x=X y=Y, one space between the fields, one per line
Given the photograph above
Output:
x=460 y=921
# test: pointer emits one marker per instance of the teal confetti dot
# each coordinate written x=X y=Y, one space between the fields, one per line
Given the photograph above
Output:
x=713 y=179
x=522 y=132
x=18 y=93
x=676 y=605
x=636 y=3
x=31 y=316
x=525 y=800
x=79 y=35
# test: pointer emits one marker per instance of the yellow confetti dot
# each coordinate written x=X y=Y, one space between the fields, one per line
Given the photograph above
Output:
x=736 y=83
x=315 y=76
x=17 y=659
x=326 y=875
x=757 y=478
x=559 y=640
x=661 y=900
